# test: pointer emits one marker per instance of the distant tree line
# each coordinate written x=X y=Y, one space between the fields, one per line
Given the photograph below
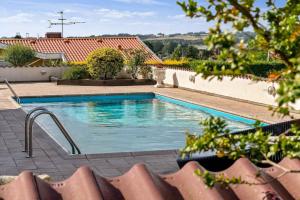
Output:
x=175 y=50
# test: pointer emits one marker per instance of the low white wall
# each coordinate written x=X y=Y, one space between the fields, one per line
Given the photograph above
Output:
x=40 y=73
x=238 y=88
x=20 y=74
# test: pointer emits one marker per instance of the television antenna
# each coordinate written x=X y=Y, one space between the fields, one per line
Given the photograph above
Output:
x=62 y=22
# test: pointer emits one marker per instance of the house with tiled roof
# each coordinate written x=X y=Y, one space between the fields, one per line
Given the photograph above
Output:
x=76 y=49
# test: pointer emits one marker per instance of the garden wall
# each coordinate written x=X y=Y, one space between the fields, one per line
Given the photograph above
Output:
x=23 y=74
x=237 y=88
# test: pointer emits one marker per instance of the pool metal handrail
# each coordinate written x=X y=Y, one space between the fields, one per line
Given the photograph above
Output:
x=44 y=111
x=26 y=124
x=12 y=91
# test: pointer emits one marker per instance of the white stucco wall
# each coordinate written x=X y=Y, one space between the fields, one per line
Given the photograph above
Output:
x=20 y=74
x=41 y=73
x=238 y=88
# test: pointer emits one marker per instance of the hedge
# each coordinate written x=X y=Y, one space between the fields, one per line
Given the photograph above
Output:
x=75 y=73
x=209 y=67
x=260 y=68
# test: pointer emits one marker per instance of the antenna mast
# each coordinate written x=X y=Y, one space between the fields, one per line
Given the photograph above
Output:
x=62 y=22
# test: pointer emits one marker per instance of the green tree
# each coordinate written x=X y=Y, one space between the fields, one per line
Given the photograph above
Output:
x=136 y=60
x=278 y=28
x=257 y=50
x=168 y=48
x=157 y=47
x=18 y=55
x=149 y=45
x=187 y=51
x=104 y=63
x=192 y=52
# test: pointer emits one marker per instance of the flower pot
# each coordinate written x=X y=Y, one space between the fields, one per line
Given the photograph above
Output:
x=159 y=76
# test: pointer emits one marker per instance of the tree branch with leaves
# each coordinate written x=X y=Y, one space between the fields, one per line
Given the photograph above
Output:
x=277 y=28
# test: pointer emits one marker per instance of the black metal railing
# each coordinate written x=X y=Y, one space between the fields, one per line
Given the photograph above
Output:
x=213 y=163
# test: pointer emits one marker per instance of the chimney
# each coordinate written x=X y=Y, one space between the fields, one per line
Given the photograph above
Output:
x=53 y=35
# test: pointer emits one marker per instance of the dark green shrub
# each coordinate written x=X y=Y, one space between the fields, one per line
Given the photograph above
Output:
x=75 y=73
x=264 y=68
x=136 y=60
x=257 y=55
x=145 y=71
x=213 y=67
x=104 y=63
x=18 y=55
x=260 y=68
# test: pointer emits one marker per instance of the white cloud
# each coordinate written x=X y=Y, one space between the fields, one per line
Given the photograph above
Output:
x=52 y=14
x=69 y=11
x=185 y=19
x=76 y=19
x=119 y=14
x=138 y=23
x=18 y=18
x=181 y=16
x=142 y=2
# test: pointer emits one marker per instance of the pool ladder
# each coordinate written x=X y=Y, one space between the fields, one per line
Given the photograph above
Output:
x=29 y=120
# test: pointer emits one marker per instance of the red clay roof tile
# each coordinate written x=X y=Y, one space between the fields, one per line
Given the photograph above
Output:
x=77 y=49
x=140 y=183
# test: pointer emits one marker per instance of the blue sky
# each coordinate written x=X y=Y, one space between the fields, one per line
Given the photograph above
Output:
x=101 y=17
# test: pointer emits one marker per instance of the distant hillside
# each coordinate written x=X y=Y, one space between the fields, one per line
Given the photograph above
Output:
x=191 y=38
x=187 y=45
x=187 y=38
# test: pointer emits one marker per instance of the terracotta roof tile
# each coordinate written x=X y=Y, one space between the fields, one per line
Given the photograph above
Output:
x=140 y=183
x=77 y=49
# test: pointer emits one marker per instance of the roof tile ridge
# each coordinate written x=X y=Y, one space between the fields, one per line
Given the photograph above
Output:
x=120 y=37
x=81 y=185
x=289 y=180
x=139 y=182
x=243 y=168
x=192 y=186
x=23 y=187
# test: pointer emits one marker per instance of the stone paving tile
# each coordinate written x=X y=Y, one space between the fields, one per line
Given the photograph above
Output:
x=11 y=171
x=120 y=162
x=4 y=129
x=40 y=156
x=25 y=164
x=18 y=155
x=101 y=166
x=108 y=172
x=42 y=159
x=4 y=154
x=8 y=163
x=58 y=160
x=8 y=135
x=15 y=149
x=65 y=166
x=44 y=164
x=124 y=170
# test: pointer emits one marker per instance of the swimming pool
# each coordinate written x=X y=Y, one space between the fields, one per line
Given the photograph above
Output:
x=126 y=122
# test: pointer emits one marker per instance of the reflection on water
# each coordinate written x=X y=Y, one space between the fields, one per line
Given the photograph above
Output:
x=124 y=125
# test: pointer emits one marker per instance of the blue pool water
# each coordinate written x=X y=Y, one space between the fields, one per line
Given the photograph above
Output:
x=126 y=123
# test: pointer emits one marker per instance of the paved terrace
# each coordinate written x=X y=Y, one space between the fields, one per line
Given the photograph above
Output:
x=50 y=159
